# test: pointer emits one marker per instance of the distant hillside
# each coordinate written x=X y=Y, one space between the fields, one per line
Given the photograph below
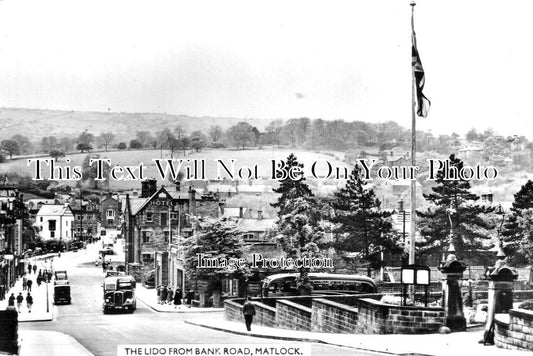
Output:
x=36 y=123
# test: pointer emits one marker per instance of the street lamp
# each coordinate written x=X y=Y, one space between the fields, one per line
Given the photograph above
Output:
x=402 y=210
x=451 y=249
x=501 y=254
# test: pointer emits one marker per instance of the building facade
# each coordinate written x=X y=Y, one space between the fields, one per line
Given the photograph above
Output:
x=110 y=212
x=12 y=246
x=55 y=222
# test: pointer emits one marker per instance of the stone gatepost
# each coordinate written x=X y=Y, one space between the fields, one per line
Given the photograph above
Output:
x=501 y=280
x=452 y=299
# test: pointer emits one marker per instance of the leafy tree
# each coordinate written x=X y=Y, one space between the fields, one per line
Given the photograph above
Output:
x=495 y=149
x=144 y=137
x=65 y=144
x=24 y=143
x=220 y=239
x=89 y=172
x=360 y=225
x=197 y=140
x=122 y=146
x=11 y=147
x=290 y=188
x=83 y=147
x=135 y=144
x=49 y=143
x=299 y=230
x=182 y=144
x=452 y=199
x=301 y=234
x=525 y=243
x=241 y=134
x=105 y=139
x=56 y=154
x=179 y=132
x=168 y=140
x=516 y=228
x=473 y=135
x=274 y=129
x=215 y=133
x=85 y=138
x=295 y=130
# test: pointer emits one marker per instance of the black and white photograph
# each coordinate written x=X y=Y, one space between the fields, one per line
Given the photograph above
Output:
x=251 y=178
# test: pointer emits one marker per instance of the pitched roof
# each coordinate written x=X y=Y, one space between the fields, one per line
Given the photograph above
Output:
x=260 y=225
x=54 y=210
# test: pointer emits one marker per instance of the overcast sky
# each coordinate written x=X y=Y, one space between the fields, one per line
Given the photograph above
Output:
x=272 y=59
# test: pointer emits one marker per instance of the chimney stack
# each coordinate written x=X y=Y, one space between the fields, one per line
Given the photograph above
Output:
x=259 y=215
x=241 y=212
x=148 y=188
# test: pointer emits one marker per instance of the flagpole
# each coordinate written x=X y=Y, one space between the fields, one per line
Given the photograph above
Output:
x=413 y=150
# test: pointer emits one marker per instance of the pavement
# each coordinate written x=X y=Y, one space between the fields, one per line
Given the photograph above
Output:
x=459 y=343
x=149 y=298
x=42 y=297
x=45 y=343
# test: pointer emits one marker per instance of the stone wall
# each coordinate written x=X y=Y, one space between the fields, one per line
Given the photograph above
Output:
x=331 y=317
x=233 y=311
x=264 y=315
x=364 y=315
x=514 y=331
x=293 y=316
x=378 y=318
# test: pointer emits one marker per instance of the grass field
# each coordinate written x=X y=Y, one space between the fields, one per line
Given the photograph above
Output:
x=262 y=158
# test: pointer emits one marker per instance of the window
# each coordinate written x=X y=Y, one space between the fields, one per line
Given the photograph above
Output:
x=110 y=213
x=146 y=257
x=166 y=234
x=79 y=217
x=146 y=236
x=149 y=217
x=51 y=225
x=41 y=219
x=52 y=234
x=249 y=236
x=173 y=216
x=164 y=219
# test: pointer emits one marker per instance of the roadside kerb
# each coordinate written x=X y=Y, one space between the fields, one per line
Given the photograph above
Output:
x=291 y=338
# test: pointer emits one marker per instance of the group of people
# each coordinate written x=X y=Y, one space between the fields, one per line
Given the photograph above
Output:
x=27 y=284
x=166 y=295
x=20 y=299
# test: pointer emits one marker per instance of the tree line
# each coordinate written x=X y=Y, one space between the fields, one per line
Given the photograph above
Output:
x=299 y=132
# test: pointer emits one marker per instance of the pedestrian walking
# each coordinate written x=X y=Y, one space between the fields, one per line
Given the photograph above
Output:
x=248 y=310
x=29 y=283
x=29 y=302
x=34 y=269
x=189 y=297
x=178 y=296
x=29 y=268
x=11 y=300
x=39 y=280
x=20 y=299
x=164 y=293
x=24 y=281
x=170 y=296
